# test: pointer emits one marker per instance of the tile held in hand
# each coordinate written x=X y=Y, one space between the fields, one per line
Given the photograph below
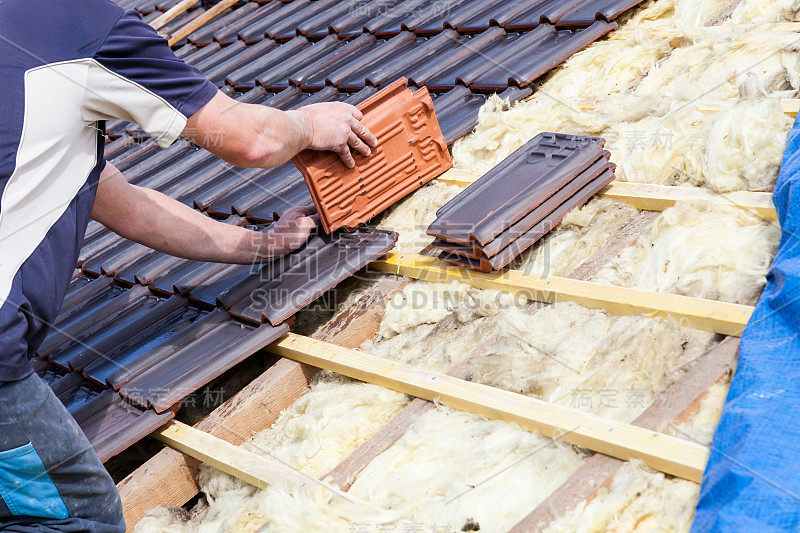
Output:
x=411 y=151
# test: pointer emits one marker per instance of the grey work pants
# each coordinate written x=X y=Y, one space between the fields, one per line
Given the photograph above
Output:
x=50 y=478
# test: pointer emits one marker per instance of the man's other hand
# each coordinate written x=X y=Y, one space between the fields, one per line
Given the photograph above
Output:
x=289 y=233
x=337 y=127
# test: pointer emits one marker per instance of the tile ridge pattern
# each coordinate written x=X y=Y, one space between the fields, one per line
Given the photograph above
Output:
x=516 y=203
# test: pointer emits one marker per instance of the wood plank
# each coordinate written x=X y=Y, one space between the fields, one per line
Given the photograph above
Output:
x=178 y=9
x=261 y=471
x=200 y=21
x=169 y=477
x=600 y=470
x=710 y=315
x=667 y=33
x=662 y=452
x=652 y=197
x=660 y=197
x=790 y=106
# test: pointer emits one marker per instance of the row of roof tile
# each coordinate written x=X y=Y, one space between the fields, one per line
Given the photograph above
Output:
x=386 y=18
x=139 y=330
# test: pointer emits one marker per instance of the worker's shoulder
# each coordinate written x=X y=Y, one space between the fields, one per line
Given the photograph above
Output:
x=57 y=30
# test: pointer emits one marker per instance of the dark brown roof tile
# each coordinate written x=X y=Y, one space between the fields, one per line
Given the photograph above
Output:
x=112 y=424
x=188 y=368
x=508 y=209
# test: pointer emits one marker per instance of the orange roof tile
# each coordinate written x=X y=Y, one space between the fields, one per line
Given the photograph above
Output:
x=411 y=151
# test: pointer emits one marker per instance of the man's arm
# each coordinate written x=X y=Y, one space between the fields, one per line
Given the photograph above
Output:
x=249 y=135
x=155 y=220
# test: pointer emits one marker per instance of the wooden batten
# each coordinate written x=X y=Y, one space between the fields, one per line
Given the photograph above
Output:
x=199 y=22
x=667 y=454
x=176 y=10
x=720 y=317
x=261 y=471
x=653 y=197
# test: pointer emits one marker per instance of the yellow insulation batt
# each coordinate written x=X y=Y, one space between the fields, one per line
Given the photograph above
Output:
x=716 y=252
x=655 y=132
x=714 y=65
x=735 y=158
x=760 y=11
x=584 y=358
x=454 y=471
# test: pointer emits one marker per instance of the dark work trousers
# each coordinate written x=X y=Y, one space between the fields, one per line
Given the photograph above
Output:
x=50 y=478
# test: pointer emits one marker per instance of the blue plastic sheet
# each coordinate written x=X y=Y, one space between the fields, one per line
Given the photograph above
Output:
x=752 y=481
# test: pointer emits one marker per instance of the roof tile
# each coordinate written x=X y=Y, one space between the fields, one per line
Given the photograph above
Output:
x=346 y=198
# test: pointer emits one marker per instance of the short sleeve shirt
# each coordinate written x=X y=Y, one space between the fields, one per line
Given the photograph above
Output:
x=66 y=66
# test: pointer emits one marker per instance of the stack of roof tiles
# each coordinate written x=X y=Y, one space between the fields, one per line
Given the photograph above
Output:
x=515 y=204
x=140 y=330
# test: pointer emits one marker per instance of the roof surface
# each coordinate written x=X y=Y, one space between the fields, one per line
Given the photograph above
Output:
x=140 y=330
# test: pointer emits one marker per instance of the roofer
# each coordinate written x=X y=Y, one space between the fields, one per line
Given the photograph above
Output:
x=67 y=66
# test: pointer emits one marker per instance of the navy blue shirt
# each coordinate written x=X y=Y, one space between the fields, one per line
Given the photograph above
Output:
x=65 y=67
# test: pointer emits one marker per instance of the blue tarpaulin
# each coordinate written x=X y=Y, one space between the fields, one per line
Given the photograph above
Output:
x=752 y=481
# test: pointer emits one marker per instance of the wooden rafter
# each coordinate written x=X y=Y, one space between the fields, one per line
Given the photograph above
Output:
x=599 y=471
x=710 y=315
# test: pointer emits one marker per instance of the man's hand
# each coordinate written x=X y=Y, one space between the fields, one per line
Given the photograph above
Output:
x=289 y=233
x=257 y=136
x=336 y=127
